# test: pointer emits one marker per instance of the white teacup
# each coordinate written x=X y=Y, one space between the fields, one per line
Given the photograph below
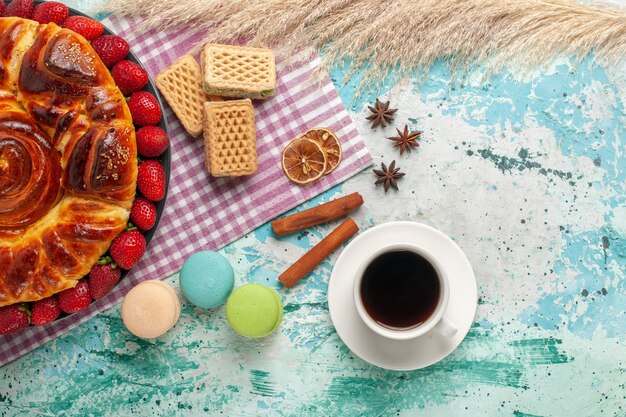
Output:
x=435 y=321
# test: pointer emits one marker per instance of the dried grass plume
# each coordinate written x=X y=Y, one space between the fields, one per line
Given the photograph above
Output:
x=404 y=35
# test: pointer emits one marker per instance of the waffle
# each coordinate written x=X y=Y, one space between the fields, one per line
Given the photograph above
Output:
x=181 y=85
x=229 y=138
x=236 y=71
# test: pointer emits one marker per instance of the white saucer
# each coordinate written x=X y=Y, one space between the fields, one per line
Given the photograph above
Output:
x=402 y=355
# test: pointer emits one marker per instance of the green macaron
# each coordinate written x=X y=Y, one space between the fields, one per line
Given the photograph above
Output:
x=254 y=310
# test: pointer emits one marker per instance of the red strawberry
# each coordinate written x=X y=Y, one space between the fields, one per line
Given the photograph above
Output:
x=144 y=108
x=143 y=213
x=128 y=248
x=75 y=299
x=20 y=8
x=84 y=26
x=2 y=6
x=110 y=48
x=151 y=180
x=13 y=318
x=129 y=77
x=51 y=11
x=45 y=311
x=152 y=141
x=102 y=279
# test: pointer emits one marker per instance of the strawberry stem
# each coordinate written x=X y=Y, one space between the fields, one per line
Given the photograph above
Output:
x=25 y=308
x=105 y=260
x=131 y=226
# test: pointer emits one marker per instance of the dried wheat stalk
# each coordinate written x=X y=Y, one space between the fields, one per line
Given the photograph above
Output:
x=405 y=35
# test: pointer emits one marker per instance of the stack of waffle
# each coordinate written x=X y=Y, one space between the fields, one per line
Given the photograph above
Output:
x=214 y=99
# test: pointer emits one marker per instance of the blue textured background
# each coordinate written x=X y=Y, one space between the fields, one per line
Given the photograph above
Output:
x=526 y=174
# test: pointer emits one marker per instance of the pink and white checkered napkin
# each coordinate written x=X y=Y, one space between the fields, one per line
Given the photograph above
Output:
x=207 y=213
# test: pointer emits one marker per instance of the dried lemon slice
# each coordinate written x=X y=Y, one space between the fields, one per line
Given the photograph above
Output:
x=329 y=142
x=304 y=161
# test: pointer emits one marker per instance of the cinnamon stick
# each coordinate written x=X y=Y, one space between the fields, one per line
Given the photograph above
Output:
x=318 y=253
x=316 y=215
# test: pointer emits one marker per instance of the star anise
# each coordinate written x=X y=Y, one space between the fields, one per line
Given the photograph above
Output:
x=405 y=140
x=388 y=176
x=382 y=114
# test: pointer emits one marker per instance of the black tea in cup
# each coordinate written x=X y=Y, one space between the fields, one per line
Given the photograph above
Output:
x=400 y=289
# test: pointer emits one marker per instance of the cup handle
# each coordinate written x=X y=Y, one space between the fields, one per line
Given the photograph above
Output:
x=445 y=328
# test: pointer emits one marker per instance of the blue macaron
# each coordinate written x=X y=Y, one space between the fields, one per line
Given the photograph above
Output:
x=206 y=279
